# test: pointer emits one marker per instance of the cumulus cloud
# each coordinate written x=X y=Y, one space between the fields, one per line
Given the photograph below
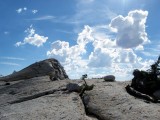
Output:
x=62 y=48
x=126 y=56
x=130 y=29
x=59 y=50
x=36 y=40
x=32 y=38
x=99 y=58
x=72 y=56
x=107 y=55
x=103 y=52
x=85 y=36
x=63 y=52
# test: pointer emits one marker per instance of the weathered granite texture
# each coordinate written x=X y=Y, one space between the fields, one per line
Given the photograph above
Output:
x=40 y=99
x=110 y=101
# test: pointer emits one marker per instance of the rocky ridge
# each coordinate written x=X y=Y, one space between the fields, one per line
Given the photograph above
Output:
x=49 y=67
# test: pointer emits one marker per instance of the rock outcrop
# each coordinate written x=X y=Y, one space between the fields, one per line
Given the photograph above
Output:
x=39 y=98
x=110 y=101
x=34 y=94
x=49 y=67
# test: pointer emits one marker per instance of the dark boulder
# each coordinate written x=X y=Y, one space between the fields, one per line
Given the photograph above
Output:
x=73 y=87
x=109 y=78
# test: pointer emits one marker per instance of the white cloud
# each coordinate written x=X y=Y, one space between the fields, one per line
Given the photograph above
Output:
x=30 y=31
x=20 y=10
x=24 y=8
x=105 y=56
x=19 y=44
x=9 y=63
x=12 y=58
x=126 y=56
x=104 y=50
x=85 y=36
x=35 y=40
x=34 y=11
x=59 y=50
x=140 y=47
x=130 y=29
x=64 y=53
x=71 y=56
x=47 y=17
x=62 y=50
x=32 y=38
x=99 y=58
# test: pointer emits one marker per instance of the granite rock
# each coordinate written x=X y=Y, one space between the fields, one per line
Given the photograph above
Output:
x=109 y=78
x=49 y=67
x=40 y=98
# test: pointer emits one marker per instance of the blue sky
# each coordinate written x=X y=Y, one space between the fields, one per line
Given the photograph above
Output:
x=97 y=37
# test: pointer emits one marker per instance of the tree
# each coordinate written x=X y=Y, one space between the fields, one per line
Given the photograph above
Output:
x=147 y=81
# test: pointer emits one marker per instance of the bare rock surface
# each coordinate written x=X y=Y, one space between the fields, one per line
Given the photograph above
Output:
x=56 y=106
x=49 y=67
x=110 y=101
x=40 y=99
x=29 y=87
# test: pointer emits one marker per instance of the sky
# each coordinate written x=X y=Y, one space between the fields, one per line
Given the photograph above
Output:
x=94 y=37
